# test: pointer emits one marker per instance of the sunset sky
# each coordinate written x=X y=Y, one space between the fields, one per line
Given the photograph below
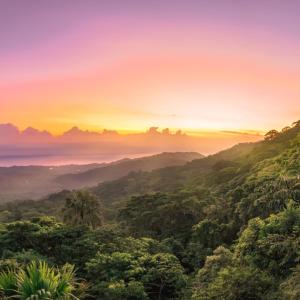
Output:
x=128 y=65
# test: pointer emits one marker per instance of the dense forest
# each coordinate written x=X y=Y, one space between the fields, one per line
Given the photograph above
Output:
x=226 y=226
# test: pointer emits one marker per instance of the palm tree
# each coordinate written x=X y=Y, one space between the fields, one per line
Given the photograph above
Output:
x=38 y=281
x=82 y=208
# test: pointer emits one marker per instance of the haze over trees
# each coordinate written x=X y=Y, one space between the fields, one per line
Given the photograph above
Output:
x=34 y=182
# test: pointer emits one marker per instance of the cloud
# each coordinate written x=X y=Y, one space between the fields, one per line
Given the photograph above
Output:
x=32 y=146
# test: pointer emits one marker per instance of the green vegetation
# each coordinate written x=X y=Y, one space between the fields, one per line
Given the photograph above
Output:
x=82 y=208
x=222 y=227
x=37 y=281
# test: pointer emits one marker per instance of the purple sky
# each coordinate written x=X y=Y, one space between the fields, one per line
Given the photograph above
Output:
x=129 y=65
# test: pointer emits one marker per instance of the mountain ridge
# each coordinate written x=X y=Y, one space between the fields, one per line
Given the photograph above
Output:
x=33 y=182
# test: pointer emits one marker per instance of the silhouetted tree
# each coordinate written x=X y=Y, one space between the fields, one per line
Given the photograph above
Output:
x=270 y=135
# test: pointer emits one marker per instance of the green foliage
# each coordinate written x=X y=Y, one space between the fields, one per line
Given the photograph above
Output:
x=265 y=257
x=158 y=276
x=8 y=283
x=206 y=236
x=82 y=208
x=221 y=258
x=38 y=281
x=236 y=283
x=116 y=290
x=272 y=244
x=222 y=277
x=160 y=215
x=164 y=277
x=44 y=236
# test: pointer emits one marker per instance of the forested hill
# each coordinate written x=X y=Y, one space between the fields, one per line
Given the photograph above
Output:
x=112 y=171
x=191 y=175
x=244 y=171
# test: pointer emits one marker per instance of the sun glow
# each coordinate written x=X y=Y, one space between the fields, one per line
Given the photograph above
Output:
x=131 y=71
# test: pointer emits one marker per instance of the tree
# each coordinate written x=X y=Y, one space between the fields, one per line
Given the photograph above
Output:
x=136 y=274
x=271 y=135
x=222 y=257
x=114 y=276
x=236 y=283
x=285 y=129
x=164 y=277
x=82 y=208
x=207 y=235
x=161 y=215
x=296 y=124
x=271 y=244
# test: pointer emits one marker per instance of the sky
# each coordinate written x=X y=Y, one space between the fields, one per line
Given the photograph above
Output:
x=201 y=66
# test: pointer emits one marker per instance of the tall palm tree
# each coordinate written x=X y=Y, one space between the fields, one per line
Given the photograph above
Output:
x=82 y=208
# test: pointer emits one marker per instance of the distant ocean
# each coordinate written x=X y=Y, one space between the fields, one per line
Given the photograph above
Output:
x=66 y=154
x=56 y=160
x=9 y=161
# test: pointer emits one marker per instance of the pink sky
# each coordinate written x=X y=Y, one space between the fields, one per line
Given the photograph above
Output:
x=129 y=65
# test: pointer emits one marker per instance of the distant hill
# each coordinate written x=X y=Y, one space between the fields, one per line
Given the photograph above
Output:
x=113 y=171
x=33 y=182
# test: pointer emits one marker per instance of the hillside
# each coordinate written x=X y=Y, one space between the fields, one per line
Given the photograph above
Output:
x=171 y=178
x=113 y=171
x=33 y=182
x=242 y=167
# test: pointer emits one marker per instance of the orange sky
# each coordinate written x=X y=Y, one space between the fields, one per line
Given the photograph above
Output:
x=136 y=66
